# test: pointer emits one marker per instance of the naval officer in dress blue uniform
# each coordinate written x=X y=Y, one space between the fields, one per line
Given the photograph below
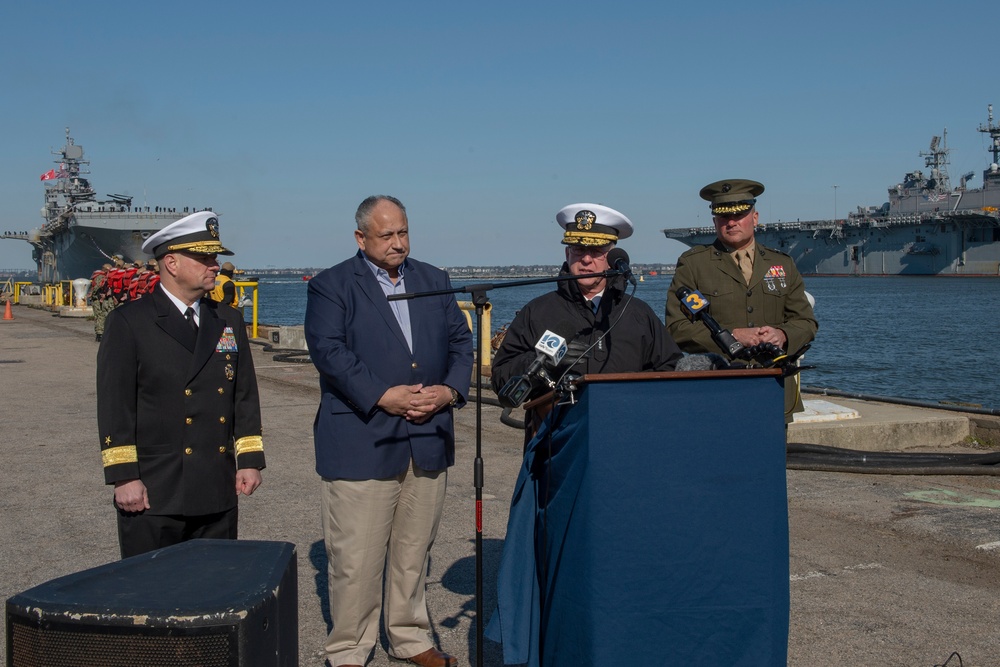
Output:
x=177 y=403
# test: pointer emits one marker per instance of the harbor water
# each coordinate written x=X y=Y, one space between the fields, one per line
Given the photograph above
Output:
x=921 y=337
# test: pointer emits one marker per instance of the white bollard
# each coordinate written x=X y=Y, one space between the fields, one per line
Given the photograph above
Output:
x=80 y=286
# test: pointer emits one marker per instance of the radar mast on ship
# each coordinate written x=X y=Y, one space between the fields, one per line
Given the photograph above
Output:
x=992 y=173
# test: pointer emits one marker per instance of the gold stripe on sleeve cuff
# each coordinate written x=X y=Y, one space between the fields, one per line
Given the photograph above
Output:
x=250 y=443
x=116 y=455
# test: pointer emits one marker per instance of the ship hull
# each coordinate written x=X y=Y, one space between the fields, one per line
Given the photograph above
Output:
x=91 y=239
x=879 y=253
x=927 y=249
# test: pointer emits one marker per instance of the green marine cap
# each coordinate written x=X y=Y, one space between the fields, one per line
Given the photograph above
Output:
x=731 y=196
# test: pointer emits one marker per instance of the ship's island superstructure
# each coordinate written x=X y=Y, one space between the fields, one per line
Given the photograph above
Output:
x=82 y=232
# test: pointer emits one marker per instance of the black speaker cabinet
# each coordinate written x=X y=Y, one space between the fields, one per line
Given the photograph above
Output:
x=201 y=603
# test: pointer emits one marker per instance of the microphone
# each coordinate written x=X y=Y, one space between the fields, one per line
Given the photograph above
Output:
x=695 y=306
x=551 y=347
x=618 y=261
x=549 y=351
x=701 y=362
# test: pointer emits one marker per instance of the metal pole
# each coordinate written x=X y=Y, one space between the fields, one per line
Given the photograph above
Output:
x=481 y=300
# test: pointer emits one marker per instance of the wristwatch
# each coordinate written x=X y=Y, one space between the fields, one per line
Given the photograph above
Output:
x=454 y=397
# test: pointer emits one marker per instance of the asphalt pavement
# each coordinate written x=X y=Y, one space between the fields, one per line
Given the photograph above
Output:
x=885 y=569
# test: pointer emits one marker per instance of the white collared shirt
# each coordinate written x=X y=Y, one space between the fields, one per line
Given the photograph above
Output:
x=401 y=308
x=181 y=306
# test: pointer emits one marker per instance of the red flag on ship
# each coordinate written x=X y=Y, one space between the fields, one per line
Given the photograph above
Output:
x=49 y=175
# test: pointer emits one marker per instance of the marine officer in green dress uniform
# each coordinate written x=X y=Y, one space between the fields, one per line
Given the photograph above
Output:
x=754 y=291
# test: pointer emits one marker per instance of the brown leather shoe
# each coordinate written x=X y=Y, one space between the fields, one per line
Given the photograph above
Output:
x=433 y=658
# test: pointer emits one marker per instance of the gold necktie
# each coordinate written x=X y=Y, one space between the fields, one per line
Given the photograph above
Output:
x=746 y=266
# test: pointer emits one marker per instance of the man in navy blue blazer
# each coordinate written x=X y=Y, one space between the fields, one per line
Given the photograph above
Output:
x=391 y=372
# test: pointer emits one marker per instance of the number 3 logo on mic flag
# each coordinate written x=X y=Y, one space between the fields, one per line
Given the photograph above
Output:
x=694 y=302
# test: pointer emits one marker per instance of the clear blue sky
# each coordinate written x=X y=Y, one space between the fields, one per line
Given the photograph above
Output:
x=484 y=118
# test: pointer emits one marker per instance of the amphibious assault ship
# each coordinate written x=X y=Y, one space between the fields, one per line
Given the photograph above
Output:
x=926 y=228
x=82 y=232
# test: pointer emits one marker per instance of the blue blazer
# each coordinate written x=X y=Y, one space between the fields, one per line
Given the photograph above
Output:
x=359 y=350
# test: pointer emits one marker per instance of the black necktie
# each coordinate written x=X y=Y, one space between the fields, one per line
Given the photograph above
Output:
x=189 y=316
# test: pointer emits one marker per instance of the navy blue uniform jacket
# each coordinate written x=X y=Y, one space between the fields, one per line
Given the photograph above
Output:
x=178 y=410
x=360 y=352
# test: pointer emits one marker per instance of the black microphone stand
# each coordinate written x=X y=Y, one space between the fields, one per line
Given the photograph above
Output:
x=479 y=299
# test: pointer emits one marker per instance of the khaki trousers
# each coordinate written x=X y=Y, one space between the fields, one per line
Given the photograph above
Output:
x=368 y=524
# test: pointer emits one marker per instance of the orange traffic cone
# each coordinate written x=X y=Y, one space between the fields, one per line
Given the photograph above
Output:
x=7 y=314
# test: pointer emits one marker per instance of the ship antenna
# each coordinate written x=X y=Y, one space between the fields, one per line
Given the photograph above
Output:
x=994 y=132
x=937 y=159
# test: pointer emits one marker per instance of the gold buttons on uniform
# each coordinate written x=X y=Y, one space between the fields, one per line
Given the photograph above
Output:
x=413 y=365
x=222 y=420
x=188 y=420
x=221 y=390
x=188 y=450
x=228 y=357
x=187 y=392
x=222 y=450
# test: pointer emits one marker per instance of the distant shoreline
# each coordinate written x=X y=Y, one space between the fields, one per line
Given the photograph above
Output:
x=470 y=272
x=507 y=272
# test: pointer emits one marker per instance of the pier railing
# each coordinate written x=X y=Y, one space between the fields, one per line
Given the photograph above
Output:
x=468 y=308
x=59 y=294
x=252 y=285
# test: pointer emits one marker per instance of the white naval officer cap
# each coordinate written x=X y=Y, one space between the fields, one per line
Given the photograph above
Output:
x=197 y=233
x=593 y=225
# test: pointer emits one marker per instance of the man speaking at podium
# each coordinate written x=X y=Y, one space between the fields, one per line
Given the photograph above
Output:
x=607 y=330
x=754 y=291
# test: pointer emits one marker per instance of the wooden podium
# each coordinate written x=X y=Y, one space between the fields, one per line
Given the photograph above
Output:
x=653 y=516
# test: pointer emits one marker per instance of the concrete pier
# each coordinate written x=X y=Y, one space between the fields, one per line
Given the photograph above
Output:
x=887 y=570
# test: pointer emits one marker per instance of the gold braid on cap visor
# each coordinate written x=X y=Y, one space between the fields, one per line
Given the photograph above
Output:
x=588 y=238
x=207 y=247
x=735 y=207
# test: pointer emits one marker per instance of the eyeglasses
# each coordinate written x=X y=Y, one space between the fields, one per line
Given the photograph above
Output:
x=593 y=251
